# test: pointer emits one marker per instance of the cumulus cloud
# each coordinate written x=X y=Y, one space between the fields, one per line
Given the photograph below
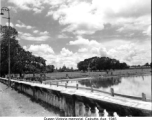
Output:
x=29 y=27
x=148 y=31
x=35 y=31
x=124 y=52
x=89 y=16
x=66 y=52
x=78 y=18
x=42 y=36
x=30 y=5
x=38 y=10
x=83 y=17
x=85 y=42
x=89 y=47
x=41 y=33
x=14 y=9
x=40 y=50
x=82 y=50
x=131 y=53
x=62 y=36
x=129 y=18
x=65 y=57
x=11 y=24
x=30 y=37
x=44 y=33
x=22 y=25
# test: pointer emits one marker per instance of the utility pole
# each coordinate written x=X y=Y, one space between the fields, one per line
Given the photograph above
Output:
x=5 y=9
x=0 y=55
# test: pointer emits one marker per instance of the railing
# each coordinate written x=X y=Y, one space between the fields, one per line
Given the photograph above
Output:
x=112 y=93
x=56 y=99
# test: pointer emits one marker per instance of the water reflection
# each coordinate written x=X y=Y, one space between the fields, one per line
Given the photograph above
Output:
x=101 y=82
x=135 y=85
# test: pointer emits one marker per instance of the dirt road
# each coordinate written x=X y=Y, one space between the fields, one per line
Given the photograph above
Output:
x=16 y=104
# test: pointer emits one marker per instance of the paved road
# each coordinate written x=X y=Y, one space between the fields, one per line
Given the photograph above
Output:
x=16 y=104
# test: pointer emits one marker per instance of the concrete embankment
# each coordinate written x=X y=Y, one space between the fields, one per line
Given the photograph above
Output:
x=16 y=104
x=74 y=102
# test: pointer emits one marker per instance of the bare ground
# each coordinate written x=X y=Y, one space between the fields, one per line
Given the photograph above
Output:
x=15 y=104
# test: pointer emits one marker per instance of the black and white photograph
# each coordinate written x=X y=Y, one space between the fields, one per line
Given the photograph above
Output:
x=75 y=59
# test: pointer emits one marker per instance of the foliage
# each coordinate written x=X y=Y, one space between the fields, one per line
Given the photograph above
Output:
x=65 y=69
x=50 y=68
x=21 y=61
x=103 y=63
x=147 y=64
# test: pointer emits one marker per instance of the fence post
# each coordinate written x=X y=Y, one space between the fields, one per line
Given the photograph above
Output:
x=91 y=88
x=112 y=91
x=57 y=84
x=77 y=86
x=143 y=96
x=65 y=85
x=67 y=76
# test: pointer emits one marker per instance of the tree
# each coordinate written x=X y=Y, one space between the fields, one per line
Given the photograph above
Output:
x=60 y=69
x=123 y=66
x=64 y=68
x=82 y=66
x=102 y=63
x=50 y=68
x=71 y=69
x=147 y=64
x=21 y=61
x=7 y=34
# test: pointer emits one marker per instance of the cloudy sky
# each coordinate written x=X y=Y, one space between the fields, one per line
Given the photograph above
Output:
x=65 y=32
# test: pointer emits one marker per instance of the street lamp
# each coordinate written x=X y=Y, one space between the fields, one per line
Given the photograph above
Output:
x=0 y=56
x=5 y=9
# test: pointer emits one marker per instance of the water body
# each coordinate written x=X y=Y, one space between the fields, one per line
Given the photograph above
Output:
x=134 y=85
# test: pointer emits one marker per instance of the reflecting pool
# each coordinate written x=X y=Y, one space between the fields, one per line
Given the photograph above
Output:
x=134 y=85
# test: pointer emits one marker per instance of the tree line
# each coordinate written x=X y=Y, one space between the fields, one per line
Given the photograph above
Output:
x=65 y=69
x=142 y=66
x=22 y=61
x=101 y=63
